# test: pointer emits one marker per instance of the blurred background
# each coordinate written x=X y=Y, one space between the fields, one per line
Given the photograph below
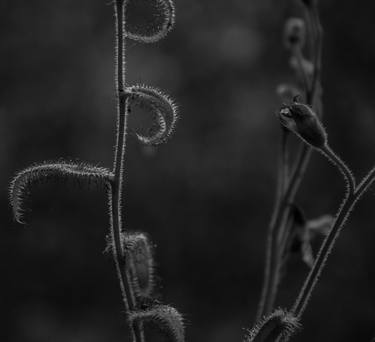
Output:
x=205 y=198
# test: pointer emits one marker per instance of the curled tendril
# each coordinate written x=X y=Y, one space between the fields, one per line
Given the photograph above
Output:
x=21 y=184
x=167 y=25
x=165 y=317
x=139 y=251
x=163 y=108
x=279 y=324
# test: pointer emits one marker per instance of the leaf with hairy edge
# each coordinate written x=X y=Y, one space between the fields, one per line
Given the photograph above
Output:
x=165 y=318
x=163 y=108
x=21 y=184
x=168 y=9
x=278 y=324
x=139 y=250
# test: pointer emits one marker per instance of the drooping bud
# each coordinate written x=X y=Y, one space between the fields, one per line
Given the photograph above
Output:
x=303 y=121
x=294 y=33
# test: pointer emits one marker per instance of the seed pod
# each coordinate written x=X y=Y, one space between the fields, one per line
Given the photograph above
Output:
x=302 y=120
x=295 y=33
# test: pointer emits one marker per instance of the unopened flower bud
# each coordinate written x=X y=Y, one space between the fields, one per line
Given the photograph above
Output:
x=295 y=33
x=302 y=120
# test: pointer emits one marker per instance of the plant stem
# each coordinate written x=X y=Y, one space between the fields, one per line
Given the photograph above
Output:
x=344 y=169
x=311 y=280
x=350 y=199
x=277 y=228
x=300 y=60
x=352 y=196
x=115 y=188
x=279 y=219
x=365 y=183
x=282 y=178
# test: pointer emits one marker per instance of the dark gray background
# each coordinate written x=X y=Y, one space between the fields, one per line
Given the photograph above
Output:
x=205 y=197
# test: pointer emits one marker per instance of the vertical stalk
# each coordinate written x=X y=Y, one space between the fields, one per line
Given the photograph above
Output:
x=115 y=188
x=277 y=228
x=350 y=199
x=313 y=277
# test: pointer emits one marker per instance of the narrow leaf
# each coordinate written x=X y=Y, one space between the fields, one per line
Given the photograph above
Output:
x=166 y=318
x=21 y=184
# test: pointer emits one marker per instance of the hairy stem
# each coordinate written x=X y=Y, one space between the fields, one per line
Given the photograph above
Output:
x=352 y=196
x=115 y=189
x=311 y=280
x=366 y=182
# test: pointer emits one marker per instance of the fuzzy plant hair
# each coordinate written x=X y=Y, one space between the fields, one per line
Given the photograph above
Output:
x=132 y=252
x=301 y=114
x=289 y=230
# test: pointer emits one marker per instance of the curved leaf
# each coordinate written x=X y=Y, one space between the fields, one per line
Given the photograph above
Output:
x=166 y=318
x=278 y=324
x=166 y=26
x=21 y=184
x=163 y=108
x=138 y=248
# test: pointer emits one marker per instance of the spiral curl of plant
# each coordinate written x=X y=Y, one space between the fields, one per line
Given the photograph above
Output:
x=131 y=251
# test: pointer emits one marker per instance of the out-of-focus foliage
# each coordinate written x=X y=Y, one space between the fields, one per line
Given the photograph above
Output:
x=205 y=197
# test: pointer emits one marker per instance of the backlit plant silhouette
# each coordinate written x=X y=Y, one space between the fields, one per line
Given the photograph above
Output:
x=300 y=114
x=132 y=252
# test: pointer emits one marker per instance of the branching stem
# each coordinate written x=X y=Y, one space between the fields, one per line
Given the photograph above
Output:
x=352 y=195
x=277 y=229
